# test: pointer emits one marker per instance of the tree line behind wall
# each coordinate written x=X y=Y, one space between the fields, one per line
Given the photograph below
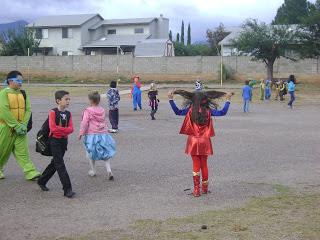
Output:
x=210 y=48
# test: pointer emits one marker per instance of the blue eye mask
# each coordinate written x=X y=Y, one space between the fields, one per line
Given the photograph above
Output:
x=16 y=80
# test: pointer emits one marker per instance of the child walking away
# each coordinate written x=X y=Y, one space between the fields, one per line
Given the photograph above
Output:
x=61 y=126
x=291 y=90
x=113 y=101
x=99 y=145
x=198 y=125
x=136 y=93
x=246 y=96
x=153 y=100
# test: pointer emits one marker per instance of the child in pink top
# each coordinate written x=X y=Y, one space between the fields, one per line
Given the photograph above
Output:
x=99 y=145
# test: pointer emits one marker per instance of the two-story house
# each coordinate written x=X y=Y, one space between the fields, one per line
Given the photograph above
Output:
x=90 y=34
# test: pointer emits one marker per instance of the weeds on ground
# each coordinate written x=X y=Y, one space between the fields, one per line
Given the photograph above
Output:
x=287 y=215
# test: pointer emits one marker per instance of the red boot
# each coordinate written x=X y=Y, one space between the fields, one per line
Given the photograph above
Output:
x=196 y=182
x=205 y=187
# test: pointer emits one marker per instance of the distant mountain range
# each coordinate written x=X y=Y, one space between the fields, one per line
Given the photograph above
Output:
x=201 y=42
x=4 y=27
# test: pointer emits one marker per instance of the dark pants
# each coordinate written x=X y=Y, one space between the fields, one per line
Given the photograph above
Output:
x=292 y=98
x=281 y=94
x=58 y=148
x=154 y=111
x=114 y=118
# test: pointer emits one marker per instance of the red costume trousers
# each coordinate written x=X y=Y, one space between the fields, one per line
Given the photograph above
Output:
x=200 y=163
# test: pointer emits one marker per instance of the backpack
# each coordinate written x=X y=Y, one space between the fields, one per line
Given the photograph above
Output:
x=29 y=126
x=43 y=138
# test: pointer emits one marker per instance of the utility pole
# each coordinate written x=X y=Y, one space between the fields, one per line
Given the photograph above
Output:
x=221 y=67
x=117 y=59
x=28 y=66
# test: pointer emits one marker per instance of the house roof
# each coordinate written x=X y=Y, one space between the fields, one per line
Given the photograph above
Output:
x=129 y=21
x=235 y=33
x=114 y=40
x=63 y=20
x=151 y=48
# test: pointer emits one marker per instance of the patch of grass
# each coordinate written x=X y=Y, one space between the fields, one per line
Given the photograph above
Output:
x=284 y=216
x=74 y=91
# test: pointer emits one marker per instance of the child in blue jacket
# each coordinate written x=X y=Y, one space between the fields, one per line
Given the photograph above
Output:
x=291 y=90
x=246 y=96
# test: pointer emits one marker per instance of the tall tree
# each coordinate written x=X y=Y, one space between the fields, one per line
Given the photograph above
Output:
x=178 y=38
x=311 y=33
x=293 y=12
x=182 y=32
x=17 y=42
x=189 y=35
x=215 y=36
x=266 y=43
x=170 y=35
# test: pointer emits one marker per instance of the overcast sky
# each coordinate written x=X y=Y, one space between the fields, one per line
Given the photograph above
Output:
x=202 y=14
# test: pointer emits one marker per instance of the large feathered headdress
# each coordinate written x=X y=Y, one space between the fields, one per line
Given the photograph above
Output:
x=207 y=97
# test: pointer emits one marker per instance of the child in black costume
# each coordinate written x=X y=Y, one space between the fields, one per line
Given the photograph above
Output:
x=152 y=94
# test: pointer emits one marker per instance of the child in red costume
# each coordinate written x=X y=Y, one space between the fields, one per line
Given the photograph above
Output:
x=136 y=93
x=198 y=125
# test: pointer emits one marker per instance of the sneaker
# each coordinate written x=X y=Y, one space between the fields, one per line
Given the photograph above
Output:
x=113 y=130
x=1 y=175
x=35 y=178
x=110 y=176
x=69 y=194
x=43 y=187
x=92 y=173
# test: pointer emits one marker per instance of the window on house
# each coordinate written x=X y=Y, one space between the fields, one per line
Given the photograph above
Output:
x=38 y=33
x=45 y=33
x=138 y=30
x=64 y=53
x=112 y=31
x=66 y=32
x=70 y=33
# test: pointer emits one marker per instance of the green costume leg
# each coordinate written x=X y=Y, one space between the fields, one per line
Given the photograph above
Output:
x=7 y=141
x=21 y=153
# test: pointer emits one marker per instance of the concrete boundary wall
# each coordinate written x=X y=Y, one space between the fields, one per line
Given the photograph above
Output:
x=207 y=66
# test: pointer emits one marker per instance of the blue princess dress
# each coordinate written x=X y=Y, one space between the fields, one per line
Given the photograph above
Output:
x=99 y=146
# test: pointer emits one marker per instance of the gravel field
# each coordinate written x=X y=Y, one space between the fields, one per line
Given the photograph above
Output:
x=253 y=153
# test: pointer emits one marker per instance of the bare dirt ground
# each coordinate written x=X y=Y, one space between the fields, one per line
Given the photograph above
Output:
x=272 y=146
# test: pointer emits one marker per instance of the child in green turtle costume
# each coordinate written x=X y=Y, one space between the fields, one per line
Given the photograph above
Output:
x=15 y=112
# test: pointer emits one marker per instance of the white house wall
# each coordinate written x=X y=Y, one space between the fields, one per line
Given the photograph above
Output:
x=60 y=44
x=85 y=32
x=159 y=29
x=127 y=30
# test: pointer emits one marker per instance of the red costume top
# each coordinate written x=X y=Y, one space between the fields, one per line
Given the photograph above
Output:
x=199 y=142
x=64 y=126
